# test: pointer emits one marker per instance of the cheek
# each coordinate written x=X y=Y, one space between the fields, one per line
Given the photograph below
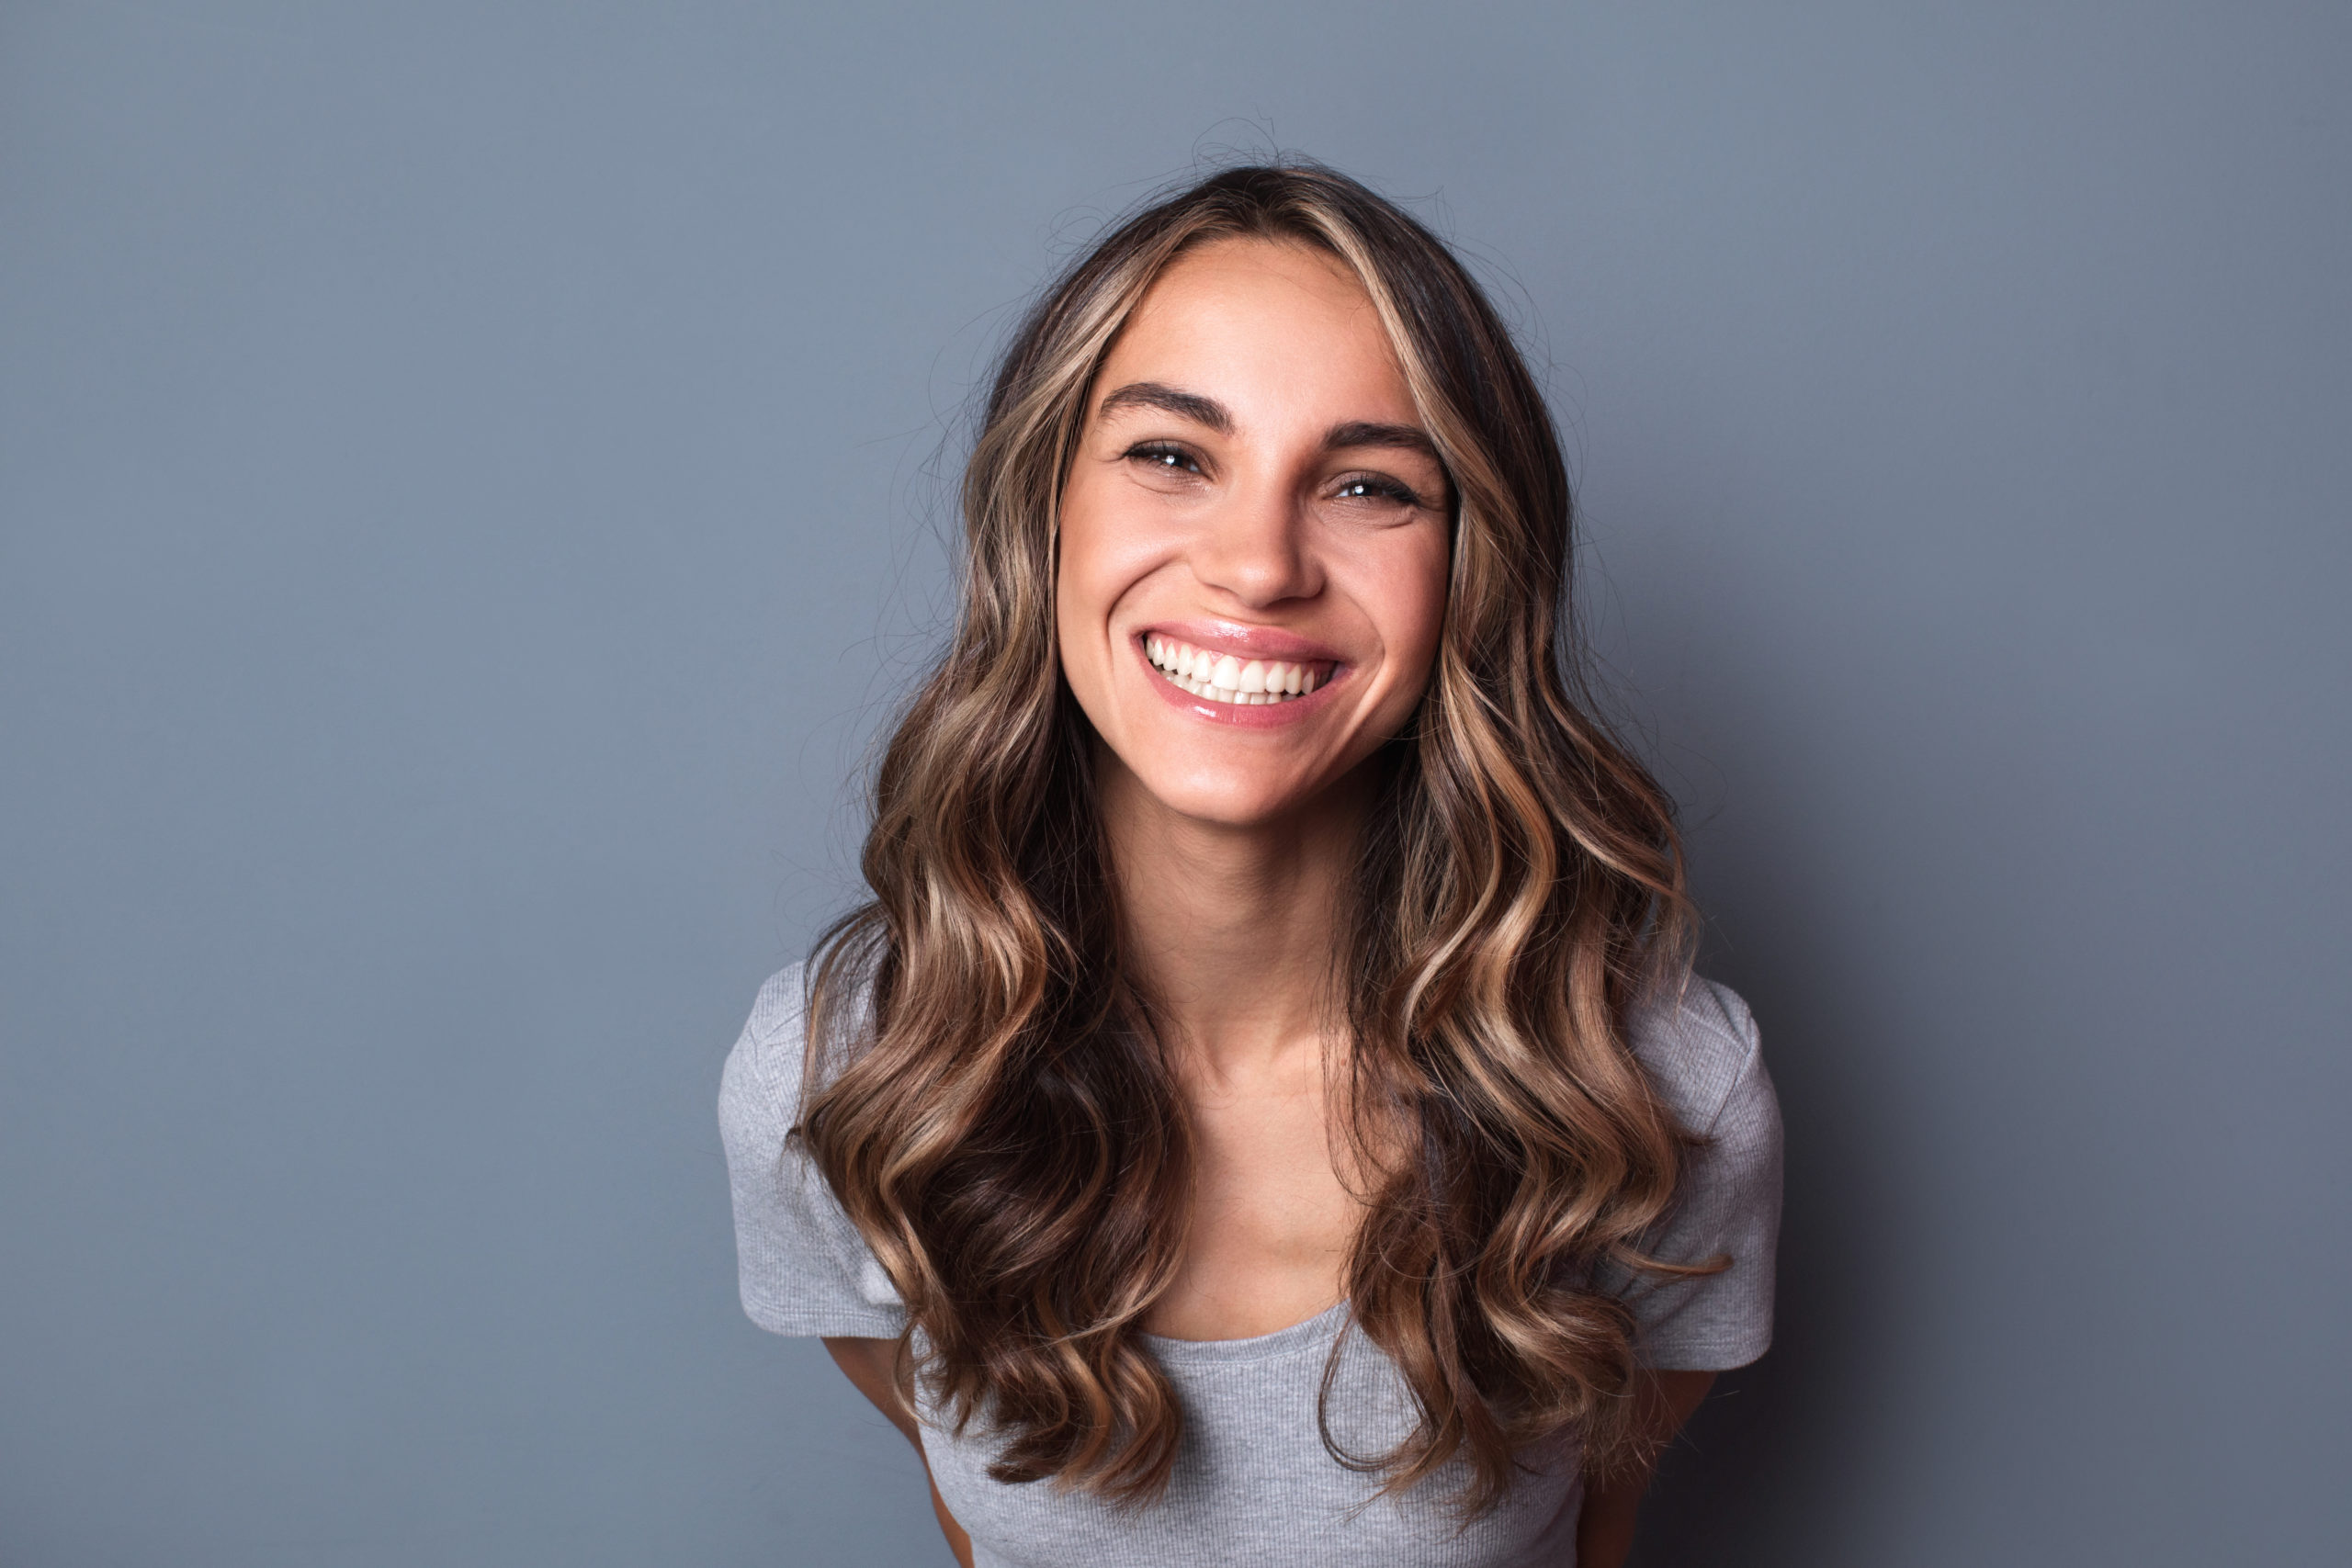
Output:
x=1406 y=597
x=1098 y=557
x=1101 y=553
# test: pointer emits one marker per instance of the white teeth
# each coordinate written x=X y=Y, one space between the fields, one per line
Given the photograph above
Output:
x=1226 y=677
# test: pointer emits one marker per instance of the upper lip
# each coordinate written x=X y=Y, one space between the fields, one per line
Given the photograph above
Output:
x=1244 y=642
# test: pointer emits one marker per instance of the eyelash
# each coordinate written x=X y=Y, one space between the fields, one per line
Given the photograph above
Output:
x=1158 y=453
x=1380 y=487
x=1376 y=487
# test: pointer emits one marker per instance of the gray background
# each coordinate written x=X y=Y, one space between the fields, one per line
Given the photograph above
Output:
x=469 y=492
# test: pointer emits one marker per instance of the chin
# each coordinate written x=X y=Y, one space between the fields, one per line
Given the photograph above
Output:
x=1226 y=800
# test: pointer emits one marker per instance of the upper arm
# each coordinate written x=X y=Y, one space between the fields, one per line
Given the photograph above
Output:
x=1702 y=1050
x=875 y=1367
x=1612 y=1501
x=872 y=1365
x=1676 y=1395
x=804 y=1267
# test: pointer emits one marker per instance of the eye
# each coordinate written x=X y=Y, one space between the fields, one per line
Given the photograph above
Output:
x=1375 y=486
x=1164 y=455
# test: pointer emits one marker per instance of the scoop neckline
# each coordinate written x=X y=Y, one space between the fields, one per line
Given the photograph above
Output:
x=1303 y=1334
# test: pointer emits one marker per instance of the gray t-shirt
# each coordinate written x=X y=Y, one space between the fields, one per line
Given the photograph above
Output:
x=1253 y=1482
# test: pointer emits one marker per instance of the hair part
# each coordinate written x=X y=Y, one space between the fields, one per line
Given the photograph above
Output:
x=986 y=1094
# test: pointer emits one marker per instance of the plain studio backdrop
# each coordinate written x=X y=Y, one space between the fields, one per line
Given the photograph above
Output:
x=471 y=486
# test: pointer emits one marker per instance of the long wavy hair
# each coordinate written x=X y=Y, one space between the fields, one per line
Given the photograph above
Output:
x=985 y=1091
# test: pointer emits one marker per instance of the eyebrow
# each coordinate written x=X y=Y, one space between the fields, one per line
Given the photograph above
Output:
x=1169 y=400
x=1363 y=432
x=1207 y=410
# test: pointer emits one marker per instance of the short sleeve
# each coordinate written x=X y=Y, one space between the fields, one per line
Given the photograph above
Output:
x=1702 y=1050
x=803 y=1269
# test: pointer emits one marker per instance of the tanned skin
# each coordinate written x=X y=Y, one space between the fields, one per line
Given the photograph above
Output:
x=869 y=1364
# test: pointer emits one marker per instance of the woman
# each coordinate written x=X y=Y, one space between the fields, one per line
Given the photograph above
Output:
x=1264 y=1115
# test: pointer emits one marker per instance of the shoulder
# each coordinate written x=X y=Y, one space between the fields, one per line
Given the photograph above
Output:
x=1699 y=1043
x=766 y=1071
x=1700 y=1046
x=805 y=1269
x=761 y=1085
x=778 y=1010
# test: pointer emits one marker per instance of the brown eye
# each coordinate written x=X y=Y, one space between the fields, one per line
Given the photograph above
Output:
x=1158 y=455
x=1376 y=487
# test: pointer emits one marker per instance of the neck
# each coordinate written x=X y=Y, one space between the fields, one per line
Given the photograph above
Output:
x=1233 y=930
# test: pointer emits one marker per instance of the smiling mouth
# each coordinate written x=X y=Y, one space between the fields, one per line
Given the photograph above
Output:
x=1253 y=683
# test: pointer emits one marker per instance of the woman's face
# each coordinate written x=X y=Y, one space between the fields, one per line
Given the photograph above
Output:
x=1254 y=537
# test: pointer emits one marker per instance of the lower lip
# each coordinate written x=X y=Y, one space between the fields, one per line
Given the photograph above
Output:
x=1241 y=716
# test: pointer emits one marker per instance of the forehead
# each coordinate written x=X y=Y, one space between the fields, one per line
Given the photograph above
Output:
x=1278 y=320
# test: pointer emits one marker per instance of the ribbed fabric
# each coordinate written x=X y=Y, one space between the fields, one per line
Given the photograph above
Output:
x=1254 y=1483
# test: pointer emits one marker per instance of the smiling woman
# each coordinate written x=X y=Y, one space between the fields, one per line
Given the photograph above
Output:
x=1265 y=1114
x=1254 y=491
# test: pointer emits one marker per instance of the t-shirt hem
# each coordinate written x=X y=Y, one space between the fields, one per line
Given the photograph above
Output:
x=830 y=1322
x=1722 y=1355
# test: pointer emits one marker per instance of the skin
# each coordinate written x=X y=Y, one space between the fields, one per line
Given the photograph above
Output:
x=1251 y=464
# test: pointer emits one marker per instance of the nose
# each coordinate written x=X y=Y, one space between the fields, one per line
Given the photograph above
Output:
x=1255 y=548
